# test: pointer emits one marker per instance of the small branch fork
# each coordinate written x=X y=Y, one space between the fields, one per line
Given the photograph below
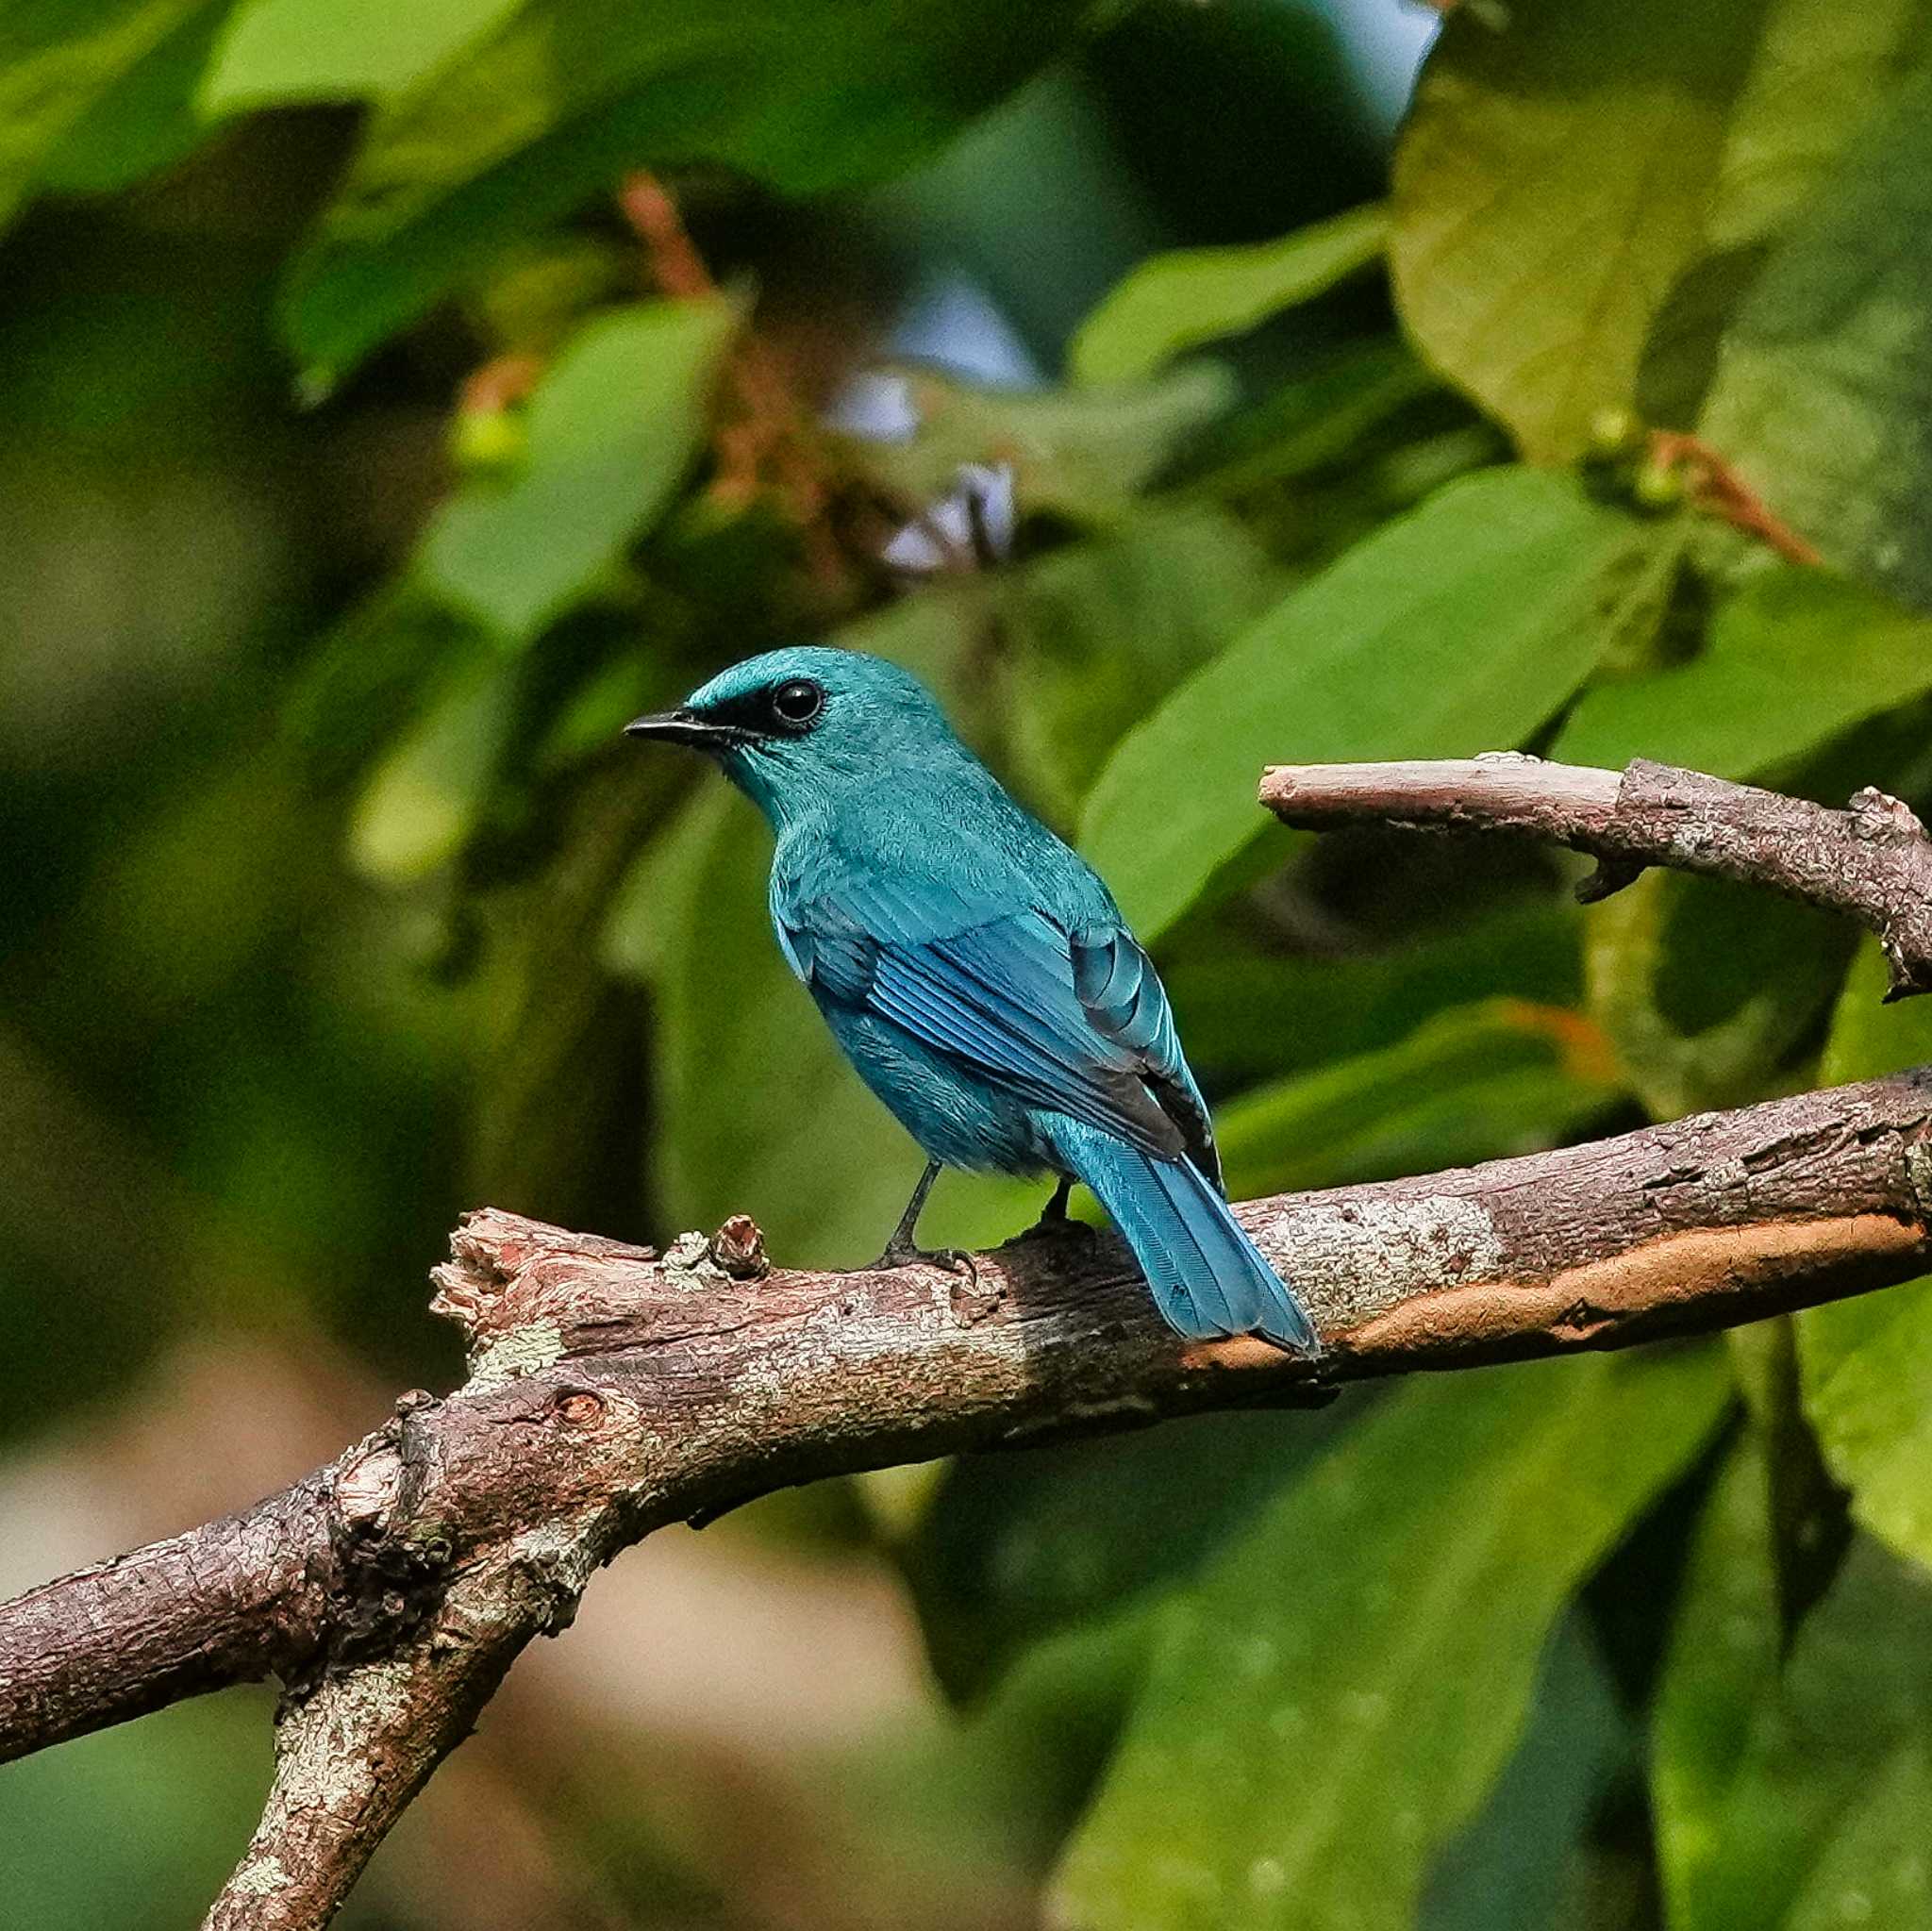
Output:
x=1871 y=862
x=612 y=1391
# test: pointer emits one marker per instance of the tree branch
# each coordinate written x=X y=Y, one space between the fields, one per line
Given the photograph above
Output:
x=1872 y=861
x=611 y=1390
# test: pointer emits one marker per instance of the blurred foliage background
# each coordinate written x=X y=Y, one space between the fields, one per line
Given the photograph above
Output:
x=394 y=399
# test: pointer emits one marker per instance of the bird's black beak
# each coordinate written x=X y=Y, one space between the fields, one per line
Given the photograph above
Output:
x=683 y=727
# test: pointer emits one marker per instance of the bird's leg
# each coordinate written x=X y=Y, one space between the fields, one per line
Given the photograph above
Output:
x=1053 y=1217
x=901 y=1250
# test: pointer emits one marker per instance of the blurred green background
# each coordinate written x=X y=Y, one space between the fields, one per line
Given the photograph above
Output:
x=394 y=400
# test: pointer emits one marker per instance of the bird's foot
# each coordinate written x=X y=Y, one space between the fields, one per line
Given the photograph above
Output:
x=906 y=1254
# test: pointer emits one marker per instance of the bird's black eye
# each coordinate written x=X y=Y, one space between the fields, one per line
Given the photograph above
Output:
x=798 y=702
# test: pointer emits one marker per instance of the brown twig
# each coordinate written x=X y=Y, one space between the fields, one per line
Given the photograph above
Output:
x=772 y=436
x=1872 y=861
x=1711 y=483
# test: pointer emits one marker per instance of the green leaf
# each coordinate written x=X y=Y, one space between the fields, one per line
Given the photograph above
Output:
x=57 y=58
x=1335 y=1700
x=1869 y=1039
x=567 y=95
x=1584 y=191
x=146 y=120
x=1868 y=1360
x=1794 y=658
x=1707 y=987
x=1476 y=1083
x=1456 y=629
x=1792 y=1798
x=1824 y=383
x=278 y=51
x=1179 y=300
x=610 y=433
x=424 y=799
x=1016 y=1549
x=1722 y=1665
x=1250 y=1014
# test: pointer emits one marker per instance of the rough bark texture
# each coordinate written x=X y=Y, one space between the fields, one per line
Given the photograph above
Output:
x=1872 y=861
x=612 y=1391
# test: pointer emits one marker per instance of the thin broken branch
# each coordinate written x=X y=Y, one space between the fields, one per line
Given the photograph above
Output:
x=1872 y=861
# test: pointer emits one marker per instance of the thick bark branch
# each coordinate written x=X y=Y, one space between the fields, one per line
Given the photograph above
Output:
x=612 y=1391
x=1872 y=861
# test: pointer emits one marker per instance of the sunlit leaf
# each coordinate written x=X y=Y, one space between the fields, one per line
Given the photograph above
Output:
x=610 y=431
x=1456 y=629
x=1585 y=188
x=1794 y=658
x=1334 y=1701
x=277 y=51
x=1179 y=300
x=1824 y=383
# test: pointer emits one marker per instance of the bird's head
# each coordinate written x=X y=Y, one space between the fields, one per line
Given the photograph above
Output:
x=801 y=727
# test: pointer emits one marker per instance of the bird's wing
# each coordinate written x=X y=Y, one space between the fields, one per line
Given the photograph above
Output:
x=1076 y=1022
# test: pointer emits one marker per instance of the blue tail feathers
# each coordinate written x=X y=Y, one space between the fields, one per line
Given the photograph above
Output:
x=1207 y=1278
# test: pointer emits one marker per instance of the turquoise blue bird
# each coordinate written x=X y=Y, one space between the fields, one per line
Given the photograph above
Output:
x=977 y=971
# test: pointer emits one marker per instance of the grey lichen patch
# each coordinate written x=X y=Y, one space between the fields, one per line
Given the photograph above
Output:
x=1919 y=1173
x=1356 y=1260
x=367 y=1490
x=259 y=1876
x=689 y=1263
x=689 y=1252
x=515 y=1351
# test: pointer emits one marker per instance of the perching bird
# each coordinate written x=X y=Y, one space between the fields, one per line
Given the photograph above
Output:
x=977 y=973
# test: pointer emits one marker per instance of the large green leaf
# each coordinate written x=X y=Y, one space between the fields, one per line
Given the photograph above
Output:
x=1867 y=1361
x=1792 y=1799
x=1586 y=188
x=277 y=51
x=57 y=58
x=146 y=120
x=1015 y=1549
x=1334 y=1701
x=1824 y=384
x=1707 y=987
x=1194 y=295
x=1793 y=658
x=567 y=95
x=610 y=431
x=1472 y=1084
x=1456 y=629
x=1249 y=1013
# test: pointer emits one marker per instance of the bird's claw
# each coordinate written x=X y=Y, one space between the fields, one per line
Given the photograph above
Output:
x=905 y=1254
